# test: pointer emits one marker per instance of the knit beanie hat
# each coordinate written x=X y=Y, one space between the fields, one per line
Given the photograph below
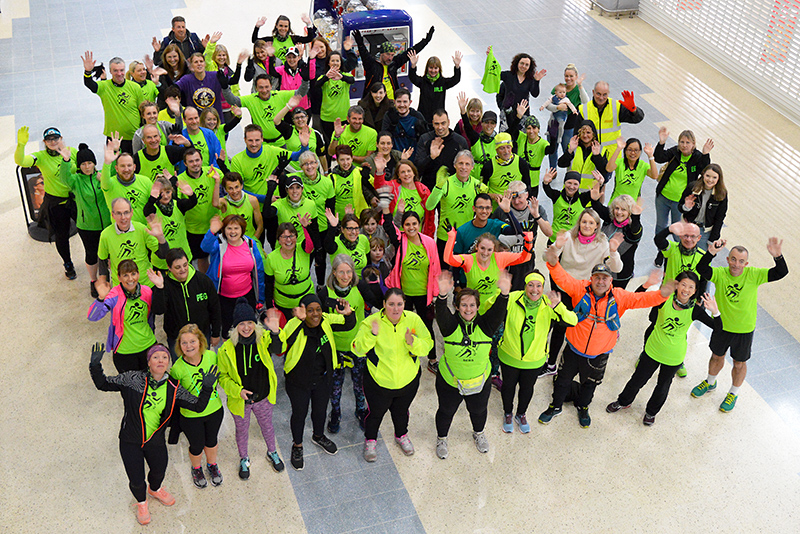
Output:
x=243 y=312
x=84 y=154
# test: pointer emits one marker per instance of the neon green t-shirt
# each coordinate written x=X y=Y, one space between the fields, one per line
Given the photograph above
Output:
x=413 y=202
x=359 y=254
x=50 y=167
x=263 y=113
x=677 y=181
x=197 y=219
x=137 y=192
x=256 y=170
x=629 y=182
x=360 y=142
x=533 y=153
x=319 y=190
x=335 y=100
x=138 y=335
x=291 y=214
x=191 y=379
x=737 y=297
x=678 y=263
x=120 y=107
x=292 y=276
x=174 y=228
x=667 y=344
x=152 y=168
x=455 y=199
x=133 y=245
x=153 y=407
x=414 y=273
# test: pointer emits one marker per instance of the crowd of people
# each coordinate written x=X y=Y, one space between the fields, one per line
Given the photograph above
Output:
x=407 y=224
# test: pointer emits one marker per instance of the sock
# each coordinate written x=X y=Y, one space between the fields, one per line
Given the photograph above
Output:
x=711 y=379
x=734 y=390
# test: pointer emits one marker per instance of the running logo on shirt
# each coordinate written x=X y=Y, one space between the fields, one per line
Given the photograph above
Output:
x=269 y=112
x=484 y=284
x=461 y=202
x=259 y=171
x=126 y=249
x=138 y=312
x=671 y=324
x=334 y=90
x=170 y=230
x=201 y=191
x=122 y=98
x=414 y=259
x=732 y=292
x=133 y=196
x=354 y=143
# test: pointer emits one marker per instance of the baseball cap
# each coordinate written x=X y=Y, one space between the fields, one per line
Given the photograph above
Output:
x=51 y=133
x=292 y=50
x=602 y=268
x=489 y=116
x=293 y=180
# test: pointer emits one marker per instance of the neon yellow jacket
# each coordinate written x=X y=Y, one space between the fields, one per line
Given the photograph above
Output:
x=229 y=377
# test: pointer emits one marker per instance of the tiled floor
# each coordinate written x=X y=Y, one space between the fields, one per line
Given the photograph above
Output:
x=696 y=469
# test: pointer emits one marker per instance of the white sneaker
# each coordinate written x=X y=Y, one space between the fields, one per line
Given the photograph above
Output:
x=405 y=443
x=481 y=442
x=370 y=452
x=441 y=448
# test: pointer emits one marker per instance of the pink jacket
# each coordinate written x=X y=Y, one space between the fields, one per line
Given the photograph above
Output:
x=115 y=303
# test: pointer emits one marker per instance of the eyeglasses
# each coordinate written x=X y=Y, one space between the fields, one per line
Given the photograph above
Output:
x=287 y=237
x=352 y=228
x=308 y=163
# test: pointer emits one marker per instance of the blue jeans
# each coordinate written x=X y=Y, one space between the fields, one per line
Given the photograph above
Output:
x=564 y=144
x=666 y=209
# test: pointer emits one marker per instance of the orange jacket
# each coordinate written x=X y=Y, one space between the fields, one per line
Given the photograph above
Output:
x=591 y=337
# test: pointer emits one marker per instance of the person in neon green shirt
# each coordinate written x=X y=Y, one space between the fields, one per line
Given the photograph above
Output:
x=263 y=104
x=200 y=428
x=170 y=212
x=737 y=297
x=629 y=169
x=126 y=184
x=56 y=190
x=361 y=139
x=120 y=99
x=257 y=161
x=464 y=366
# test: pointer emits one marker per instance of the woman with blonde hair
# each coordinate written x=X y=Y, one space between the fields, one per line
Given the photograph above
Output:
x=201 y=428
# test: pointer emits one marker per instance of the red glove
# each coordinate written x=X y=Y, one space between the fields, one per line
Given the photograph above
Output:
x=627 y=101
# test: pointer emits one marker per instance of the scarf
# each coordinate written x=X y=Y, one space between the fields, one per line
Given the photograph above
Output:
x=166 y=209
x=621 y=224
x=432 y=79
x=236 y=203
x=584 y=239
x=135 y=294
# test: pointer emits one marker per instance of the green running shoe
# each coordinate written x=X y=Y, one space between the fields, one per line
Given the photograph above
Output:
x=702 y=388
x=729 y=402
x=682 y=371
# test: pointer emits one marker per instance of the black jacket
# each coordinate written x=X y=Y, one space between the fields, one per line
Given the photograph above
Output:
x=134 y=386
x=713 y=217
x=432 y=94
x=194 y=301
x=405 y=131
x=428 y=167
x=694 y=166
x=373 y=69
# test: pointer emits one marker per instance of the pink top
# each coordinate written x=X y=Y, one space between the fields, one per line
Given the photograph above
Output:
x=237 y=271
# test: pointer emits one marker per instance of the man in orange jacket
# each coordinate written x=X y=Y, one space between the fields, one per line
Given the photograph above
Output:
x=599 y=307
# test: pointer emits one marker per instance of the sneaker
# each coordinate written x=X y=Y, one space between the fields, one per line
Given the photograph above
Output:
x=583 y=417
x=648 y=419
x=522 y=421
x=481 y=442
x=142 y=513
x=297 y=458
x=244 y=468
x=275 y=461
x=702 y=388
x=508 y=423
x=198 y=477
x=405 y=444
x=93 y=290
x=550 y=370
x=324 y=443
x=334 y=422
x=162 y=495
x=615 y=406
x=548 y=414
x=441 y=448
x=433 y=366
x=214 y=473
x=682 y=371
x=729 y=402
x=370 y=452
x=497 y=382
x=69 y=271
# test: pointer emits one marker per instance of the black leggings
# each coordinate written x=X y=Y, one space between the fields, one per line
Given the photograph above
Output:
x=644 y=371
x=559 y=328
x=130 y=362
x=58 y=215
x=133 y=458
x=380 y=400
x=420 y=306
x=449 y=401
x=202 y=431
x=591 y=372
x=299 y=398
x=91 y=240
x=526 y=379
x=227 y=304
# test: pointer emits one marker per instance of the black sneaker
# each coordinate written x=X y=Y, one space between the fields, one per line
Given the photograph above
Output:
x=547 y=415
x=648 y=419
x=93 y=290
x=297 y=458
x=433 y=366
x=325 y=444
x=199 y=478
x=583 y=417
x=275 y=461
x=244 y=468
x=69 y=271
x=214 y=473
x=615 y=407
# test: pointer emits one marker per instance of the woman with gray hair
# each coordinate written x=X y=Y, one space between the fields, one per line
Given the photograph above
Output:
x=343 y=284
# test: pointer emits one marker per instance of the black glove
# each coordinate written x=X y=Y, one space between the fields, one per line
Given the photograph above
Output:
x=356 y=35
x=209 y=378
x=430 y=33
x=97 y=353
x=222 y=79
x=283 y=161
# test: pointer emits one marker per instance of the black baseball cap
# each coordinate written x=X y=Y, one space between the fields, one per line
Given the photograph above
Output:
x=51 y=133
x=602 y=268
